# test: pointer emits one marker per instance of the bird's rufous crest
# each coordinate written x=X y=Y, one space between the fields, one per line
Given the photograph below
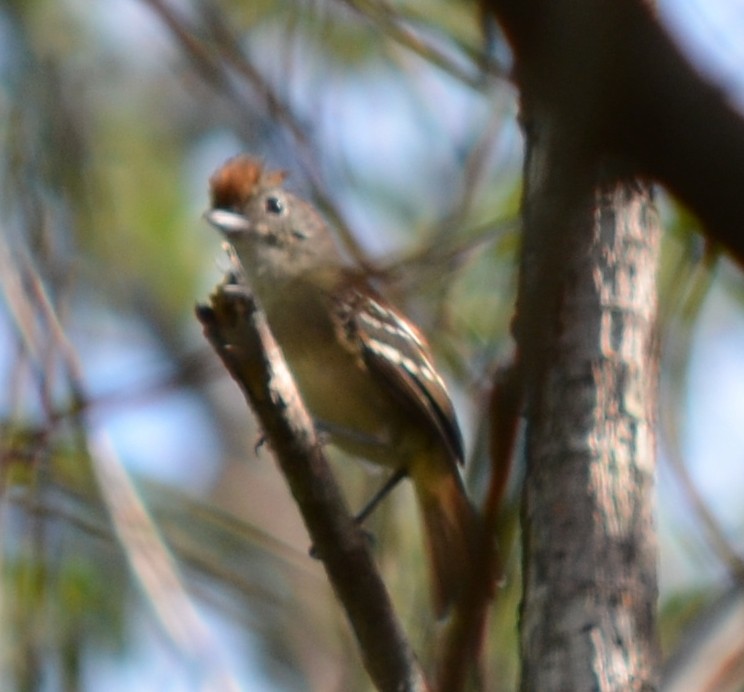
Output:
x=239 y=178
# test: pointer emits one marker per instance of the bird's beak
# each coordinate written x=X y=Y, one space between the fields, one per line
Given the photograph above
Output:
x=228 y=223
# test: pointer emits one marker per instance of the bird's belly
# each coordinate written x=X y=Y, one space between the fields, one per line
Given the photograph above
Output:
x=349 y=404
x=356 y=409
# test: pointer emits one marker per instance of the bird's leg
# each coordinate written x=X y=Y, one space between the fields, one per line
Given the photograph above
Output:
x=375 y=500
x=327 y=429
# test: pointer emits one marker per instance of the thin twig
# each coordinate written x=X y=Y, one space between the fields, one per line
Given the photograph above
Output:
x=154 y=566
x=140 y=540
x=394 y=26
x=694 y=280
x=218 y=59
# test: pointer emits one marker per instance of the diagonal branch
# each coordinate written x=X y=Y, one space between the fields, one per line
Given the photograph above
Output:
x=238 y=332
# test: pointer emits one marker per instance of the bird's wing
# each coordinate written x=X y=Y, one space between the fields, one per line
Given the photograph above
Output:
x=393 y=349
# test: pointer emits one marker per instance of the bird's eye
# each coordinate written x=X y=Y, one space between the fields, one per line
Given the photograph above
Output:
x=300 y=235
x=274 y=205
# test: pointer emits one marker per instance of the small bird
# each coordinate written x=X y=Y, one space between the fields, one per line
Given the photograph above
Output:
x=364 y=370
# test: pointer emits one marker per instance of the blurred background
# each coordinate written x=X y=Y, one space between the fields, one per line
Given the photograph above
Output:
x=145 y=543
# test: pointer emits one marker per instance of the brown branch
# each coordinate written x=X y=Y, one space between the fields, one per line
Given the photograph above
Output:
x=465 y=634
x=461 y=647
x=238 y=332
x=462 y=644
x=624 y=95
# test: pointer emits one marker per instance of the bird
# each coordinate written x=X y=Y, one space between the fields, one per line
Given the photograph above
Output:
x=364 y=370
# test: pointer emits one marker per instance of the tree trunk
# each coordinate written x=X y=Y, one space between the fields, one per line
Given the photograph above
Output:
x=585 y=331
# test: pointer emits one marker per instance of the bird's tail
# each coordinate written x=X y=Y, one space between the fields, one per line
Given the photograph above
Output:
x=451 y=533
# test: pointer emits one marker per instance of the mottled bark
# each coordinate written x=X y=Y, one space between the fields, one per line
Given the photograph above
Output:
x=586 y=336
